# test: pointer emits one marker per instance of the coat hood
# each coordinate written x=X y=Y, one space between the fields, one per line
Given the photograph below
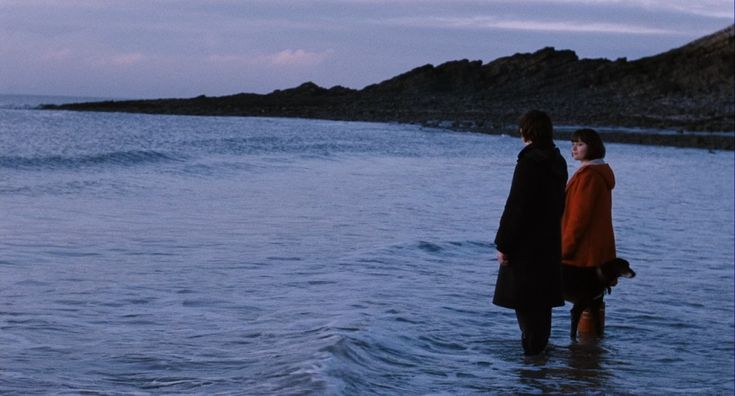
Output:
x=549 y=155
x=603 y=170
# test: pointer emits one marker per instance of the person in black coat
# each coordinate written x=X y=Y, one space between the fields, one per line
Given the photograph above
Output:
x=529 y=236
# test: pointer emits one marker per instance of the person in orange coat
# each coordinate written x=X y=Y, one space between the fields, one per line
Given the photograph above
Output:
x=588 y=239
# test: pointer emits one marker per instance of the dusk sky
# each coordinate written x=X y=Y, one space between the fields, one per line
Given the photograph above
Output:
x=184 y=48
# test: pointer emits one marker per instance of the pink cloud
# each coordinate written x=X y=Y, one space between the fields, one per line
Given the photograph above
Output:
x=56 y=55
x=285 y=58
x=299 y=57
x=119 y=59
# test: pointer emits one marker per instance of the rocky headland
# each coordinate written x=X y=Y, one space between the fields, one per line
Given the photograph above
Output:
x=687 y=93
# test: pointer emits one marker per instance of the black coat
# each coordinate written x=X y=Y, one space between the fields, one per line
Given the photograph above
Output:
x=530 y=231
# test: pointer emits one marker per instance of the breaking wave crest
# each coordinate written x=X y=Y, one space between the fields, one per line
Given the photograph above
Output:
x=115 y=158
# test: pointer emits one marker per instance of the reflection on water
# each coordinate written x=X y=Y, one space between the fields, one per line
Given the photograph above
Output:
x=585 y=363
x=573 y=369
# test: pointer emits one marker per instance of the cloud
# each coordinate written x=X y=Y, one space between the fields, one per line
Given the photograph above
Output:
x=298 y=57
x=92 y=58
x=53 y=3
x=56 y=54
x=285 y=58
x=490 y=22
x=707 y=8
x=622 y=17
x=119 y=59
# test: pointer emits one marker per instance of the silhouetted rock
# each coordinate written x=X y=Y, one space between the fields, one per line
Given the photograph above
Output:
x=689 y=88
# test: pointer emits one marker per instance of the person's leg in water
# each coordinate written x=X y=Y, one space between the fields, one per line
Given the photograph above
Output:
x=535 y=326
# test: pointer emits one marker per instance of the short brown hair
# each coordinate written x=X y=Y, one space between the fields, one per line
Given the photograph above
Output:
x=595 y=147
x=535 y=126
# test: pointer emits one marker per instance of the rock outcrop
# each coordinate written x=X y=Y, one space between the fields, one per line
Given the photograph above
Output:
x=691 y=88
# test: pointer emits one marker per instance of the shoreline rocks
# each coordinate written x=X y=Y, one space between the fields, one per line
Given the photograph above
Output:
x=701 y=140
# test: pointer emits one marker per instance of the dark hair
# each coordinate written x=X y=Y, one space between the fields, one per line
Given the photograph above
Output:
x=595 y=147
x=535 y=126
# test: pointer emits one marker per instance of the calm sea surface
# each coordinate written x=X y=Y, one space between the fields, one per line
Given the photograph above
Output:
x=146 y=254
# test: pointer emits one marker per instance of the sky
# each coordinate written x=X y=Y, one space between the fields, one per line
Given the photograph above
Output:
x=186 y=48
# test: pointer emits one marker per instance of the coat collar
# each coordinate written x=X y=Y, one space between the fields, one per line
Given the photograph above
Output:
x=534 y=146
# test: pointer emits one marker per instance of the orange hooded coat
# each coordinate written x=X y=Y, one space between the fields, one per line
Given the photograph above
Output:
x=587 y=231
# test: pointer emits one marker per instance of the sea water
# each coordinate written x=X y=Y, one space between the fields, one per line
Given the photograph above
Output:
x=148 y=254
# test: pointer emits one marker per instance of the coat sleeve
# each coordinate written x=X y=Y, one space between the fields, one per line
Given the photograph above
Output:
x=581 y=201
x=517 y=210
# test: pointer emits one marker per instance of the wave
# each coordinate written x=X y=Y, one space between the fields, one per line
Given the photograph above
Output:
x=446 y=247
x=116 y=158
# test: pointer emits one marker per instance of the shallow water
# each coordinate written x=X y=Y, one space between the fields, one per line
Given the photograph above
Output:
x=182 y=255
